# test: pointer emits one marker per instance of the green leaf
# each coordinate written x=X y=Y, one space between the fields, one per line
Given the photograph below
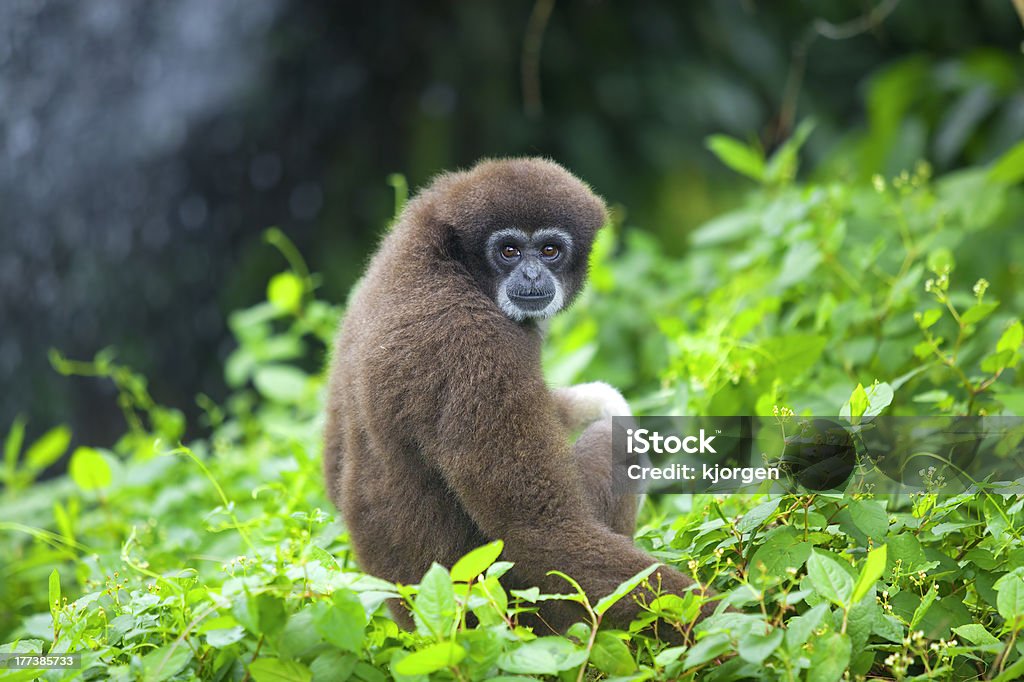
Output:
x=431 y=659
x=1009 y=168
x=476 y=562
x=89 y=469
x=281 y=383
x=434 y=610
x=342 y=621
x=880 y=396
x=976 y=634
x=755 y=647
x=166 y=662
x=858 y=402
x=332 y=665
x=758 y=515
x=791 y=356
x=707 y=648
x=12 y=447
x=543 y=656
x=800 y=628
x=978 y=312
x=926 y=602
x=941 y=260
x=54 y=594
x=870 y=517
x=782 y=549
x=738 y=156
x=284 y=291
x=929 y=318
x=623 y=589
x=260 y=613
x=830 y=656
x=48 y=448
x=830 y=579
x=1010 y=597
x=870 y=572
x=276 y=670
x=1012 y=338
x=783 y=165
x=934 y=396
x=610 y=655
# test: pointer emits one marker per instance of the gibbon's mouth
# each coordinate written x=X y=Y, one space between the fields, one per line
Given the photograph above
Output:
x=532 y=301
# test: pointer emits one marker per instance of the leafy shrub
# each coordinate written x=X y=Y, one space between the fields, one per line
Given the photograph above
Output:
x=222 y=559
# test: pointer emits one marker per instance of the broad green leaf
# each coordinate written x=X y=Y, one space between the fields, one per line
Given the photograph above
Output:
x=610 y=655
x=89 y=469
x=791 y=356
x=707 y=648
x=435 y=603
x=800 y=628
x=476 y=562
x=166 y=662
x=880 y=396
x=934 y=396
x=1009 y=168
x=783 y=548
x=281 y=383
x=1010 y=599
x=342 y=621
x=332 y=665
x=260 y=613
x=870 y=518
x=1012 y=338
x=543 y=656
x=755 y=647
x=830 y=656
x=976 y=633
x=430 y=659
x=830 y=579
x=49 y=448
x=623 y=589
x=758 y=515
x=738 y=156
x=276 y=670
x=978 y=312
x=872 y=569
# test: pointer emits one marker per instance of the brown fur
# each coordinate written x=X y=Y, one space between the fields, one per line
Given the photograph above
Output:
x=441 y=433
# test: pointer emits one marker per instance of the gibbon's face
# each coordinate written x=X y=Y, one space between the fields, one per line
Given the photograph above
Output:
x=523 y=228
x=529 y=269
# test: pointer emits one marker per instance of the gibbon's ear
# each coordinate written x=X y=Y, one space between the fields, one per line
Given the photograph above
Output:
x=449 y=244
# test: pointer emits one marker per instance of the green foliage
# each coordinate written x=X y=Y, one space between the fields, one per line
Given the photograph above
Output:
x=216 y=558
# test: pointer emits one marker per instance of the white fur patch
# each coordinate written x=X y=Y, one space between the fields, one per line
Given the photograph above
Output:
x=587 y=403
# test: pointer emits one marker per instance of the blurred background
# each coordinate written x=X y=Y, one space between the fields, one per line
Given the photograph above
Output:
x=144 y=147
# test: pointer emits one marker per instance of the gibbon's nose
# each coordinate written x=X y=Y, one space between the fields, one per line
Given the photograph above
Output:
x=531 y=269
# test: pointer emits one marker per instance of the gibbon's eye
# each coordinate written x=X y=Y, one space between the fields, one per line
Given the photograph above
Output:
x=550 y=251
x=509 y=252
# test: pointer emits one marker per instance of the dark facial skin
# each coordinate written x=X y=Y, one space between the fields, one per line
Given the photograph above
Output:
x=529 y=268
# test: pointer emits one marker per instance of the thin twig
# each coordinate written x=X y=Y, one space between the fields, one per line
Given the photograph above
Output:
x=826 y=29
x=530 y=60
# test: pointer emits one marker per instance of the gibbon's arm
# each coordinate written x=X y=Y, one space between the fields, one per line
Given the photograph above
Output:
x=503 y=451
